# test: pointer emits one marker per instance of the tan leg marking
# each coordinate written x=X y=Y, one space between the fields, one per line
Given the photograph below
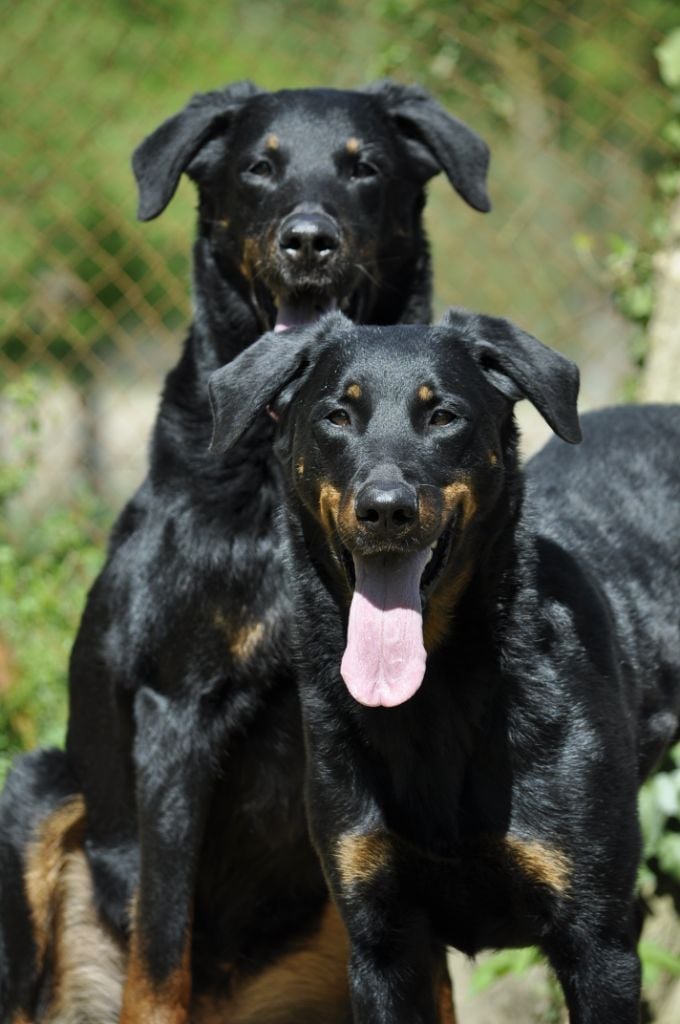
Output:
x=61 y=831
x=89 y=963
x=360 y=857
x=309 y=983
x=447 y=1013
x=147 y=1003
x=539 y=863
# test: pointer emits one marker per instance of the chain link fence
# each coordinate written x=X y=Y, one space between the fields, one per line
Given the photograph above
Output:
x=94 y=306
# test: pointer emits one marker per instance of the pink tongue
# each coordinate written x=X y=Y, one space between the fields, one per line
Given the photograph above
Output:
x=384 y=661
x=304 y=311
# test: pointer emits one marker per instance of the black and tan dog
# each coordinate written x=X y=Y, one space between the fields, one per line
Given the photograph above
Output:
x=488 y=671
x=184 y=736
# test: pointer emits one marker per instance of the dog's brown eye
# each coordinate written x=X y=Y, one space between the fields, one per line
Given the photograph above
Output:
x=362 y=169
x=440 y=418
x=262 y=169
x=339 y=418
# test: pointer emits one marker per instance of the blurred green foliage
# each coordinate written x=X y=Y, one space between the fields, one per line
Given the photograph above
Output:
x=45 y=571
x=482 y=59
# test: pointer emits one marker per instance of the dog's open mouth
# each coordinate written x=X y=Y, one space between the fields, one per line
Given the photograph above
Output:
x=303 y=308
x=384 y=660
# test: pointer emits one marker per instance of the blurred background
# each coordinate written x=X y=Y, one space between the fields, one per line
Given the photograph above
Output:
x=579 y=102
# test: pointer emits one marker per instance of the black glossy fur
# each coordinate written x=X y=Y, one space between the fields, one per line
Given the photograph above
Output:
x=184 y=733
x=496 y=806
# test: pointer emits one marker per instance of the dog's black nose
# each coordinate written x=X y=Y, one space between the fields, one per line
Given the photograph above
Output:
x=386 y=507
x=309 y=236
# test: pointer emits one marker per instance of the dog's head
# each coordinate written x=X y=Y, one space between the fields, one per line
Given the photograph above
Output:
x=398 y=449
x=312 y=196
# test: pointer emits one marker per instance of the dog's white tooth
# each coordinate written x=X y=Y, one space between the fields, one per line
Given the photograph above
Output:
x=433 y=546
x=429 y=557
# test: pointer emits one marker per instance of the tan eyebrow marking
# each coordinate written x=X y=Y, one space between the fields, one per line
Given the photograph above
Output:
x=272 y=141
x=353 y=145
x=425 y=393
x=353 y=391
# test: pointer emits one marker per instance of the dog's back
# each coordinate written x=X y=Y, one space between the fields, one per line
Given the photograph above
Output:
x=608 y=517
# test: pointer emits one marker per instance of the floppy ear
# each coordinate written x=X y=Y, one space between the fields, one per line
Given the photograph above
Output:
x=158 y=162
x=521 y=366
x=243 y=388
x=438 y=141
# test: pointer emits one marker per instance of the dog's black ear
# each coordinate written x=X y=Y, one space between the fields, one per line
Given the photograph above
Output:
x=243 y=388
x=521 y=366
x=437 y=141
x=158 y=162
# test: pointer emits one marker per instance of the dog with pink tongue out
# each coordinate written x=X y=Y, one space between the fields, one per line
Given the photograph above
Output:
x=478 y=712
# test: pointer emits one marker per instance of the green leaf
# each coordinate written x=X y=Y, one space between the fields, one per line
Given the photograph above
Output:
x=668 y=55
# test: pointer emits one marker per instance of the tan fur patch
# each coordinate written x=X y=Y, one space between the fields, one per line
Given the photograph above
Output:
x=353 y=145
x=329 y=507
x=147 y=1003
x=300 y=467
x=457 y=493
x=354 y=391
x=250 y=258
x=61 y=831
x=425 y=393
x=442 y=606
x=360 y=857
x=447 y=1014
x=310 y=982
x=493 y=459
x=272 y=141
x=88 y=962
x=246 y=639
x=539 y=863
x=224 y=222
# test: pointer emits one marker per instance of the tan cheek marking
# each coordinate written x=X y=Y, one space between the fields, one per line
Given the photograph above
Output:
x=329 y=506
x=250 y=258
x=539 y=863
x=359 y=858
x=147 y=1003
x=459 y=492
x=353 y=391
x=272 y=141
x=425 y=393
x=353 y=145
x=442 y=606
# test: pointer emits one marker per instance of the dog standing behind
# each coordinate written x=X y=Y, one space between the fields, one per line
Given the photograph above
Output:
x=486 y=676
x=184 y=750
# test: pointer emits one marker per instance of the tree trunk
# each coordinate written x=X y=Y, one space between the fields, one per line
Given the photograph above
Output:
x=661 y=378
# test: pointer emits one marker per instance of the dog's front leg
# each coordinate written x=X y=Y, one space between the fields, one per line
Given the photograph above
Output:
x=174 y=755
x=395 y=962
